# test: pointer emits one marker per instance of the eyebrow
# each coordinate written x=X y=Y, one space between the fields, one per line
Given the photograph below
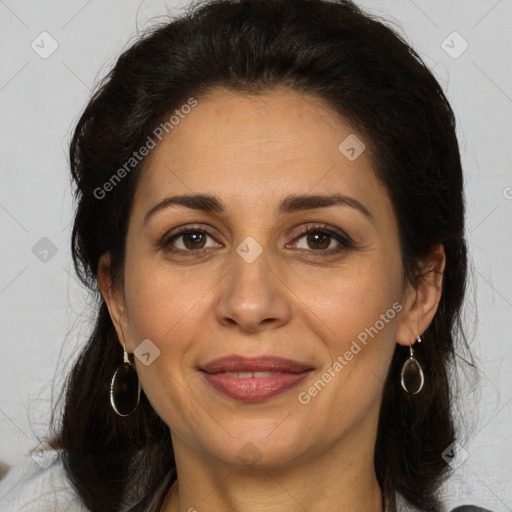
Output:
x=292 y=203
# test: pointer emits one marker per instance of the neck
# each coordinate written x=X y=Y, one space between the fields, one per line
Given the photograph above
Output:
x=343 y=480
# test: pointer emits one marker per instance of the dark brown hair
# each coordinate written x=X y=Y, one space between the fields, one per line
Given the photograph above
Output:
x=369 y=75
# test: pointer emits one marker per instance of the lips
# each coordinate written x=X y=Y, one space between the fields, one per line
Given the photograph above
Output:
x=254 y=378
x=254 y=364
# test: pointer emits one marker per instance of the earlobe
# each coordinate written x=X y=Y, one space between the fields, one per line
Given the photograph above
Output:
x=422 y=299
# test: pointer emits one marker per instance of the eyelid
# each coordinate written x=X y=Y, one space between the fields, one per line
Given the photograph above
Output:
x=178 y=231
x=340 y=236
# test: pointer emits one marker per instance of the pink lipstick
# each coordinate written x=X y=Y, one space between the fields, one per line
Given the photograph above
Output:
x=254 y=379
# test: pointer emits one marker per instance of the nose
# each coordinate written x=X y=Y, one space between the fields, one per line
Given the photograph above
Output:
x=252 y=297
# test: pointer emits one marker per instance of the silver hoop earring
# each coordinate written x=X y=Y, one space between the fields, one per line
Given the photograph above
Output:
x=411 y=376
x=125 y=388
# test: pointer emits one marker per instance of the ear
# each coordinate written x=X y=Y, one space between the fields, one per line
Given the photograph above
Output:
x=114 y=299
x=422 y=298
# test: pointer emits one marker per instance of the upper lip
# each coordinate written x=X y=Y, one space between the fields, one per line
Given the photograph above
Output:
x=237 y=363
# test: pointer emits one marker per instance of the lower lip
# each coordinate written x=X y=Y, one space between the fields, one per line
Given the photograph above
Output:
x=253 y=389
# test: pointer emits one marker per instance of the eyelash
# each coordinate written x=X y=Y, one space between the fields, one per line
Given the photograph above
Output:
x=340 y=237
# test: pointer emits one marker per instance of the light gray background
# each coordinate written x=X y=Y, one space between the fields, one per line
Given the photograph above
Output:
x=44 y=311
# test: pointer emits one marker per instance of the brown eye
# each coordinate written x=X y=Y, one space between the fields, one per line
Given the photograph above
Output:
x=190 y=240
x=195 y=240
x=319 y=241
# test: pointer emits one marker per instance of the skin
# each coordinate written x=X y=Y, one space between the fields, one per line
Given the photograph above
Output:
x=292 y=301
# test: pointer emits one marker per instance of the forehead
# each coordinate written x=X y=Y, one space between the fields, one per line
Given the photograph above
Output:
x=234 y=144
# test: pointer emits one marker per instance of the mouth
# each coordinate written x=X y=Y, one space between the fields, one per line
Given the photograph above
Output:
x=254 y=379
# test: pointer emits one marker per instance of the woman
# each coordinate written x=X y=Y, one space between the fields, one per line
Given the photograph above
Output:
x=270 y=206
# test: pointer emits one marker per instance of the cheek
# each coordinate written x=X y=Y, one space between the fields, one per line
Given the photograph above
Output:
x=358 y=345
x=168 y=308
x=164 y=305
x=354 y=314
x=350 y=300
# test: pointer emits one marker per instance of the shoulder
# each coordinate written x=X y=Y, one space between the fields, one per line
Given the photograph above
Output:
x=470 y=508
x=39 y=484
x=457 y=505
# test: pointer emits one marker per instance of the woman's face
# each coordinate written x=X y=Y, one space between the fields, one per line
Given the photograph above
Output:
x=280 y=245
